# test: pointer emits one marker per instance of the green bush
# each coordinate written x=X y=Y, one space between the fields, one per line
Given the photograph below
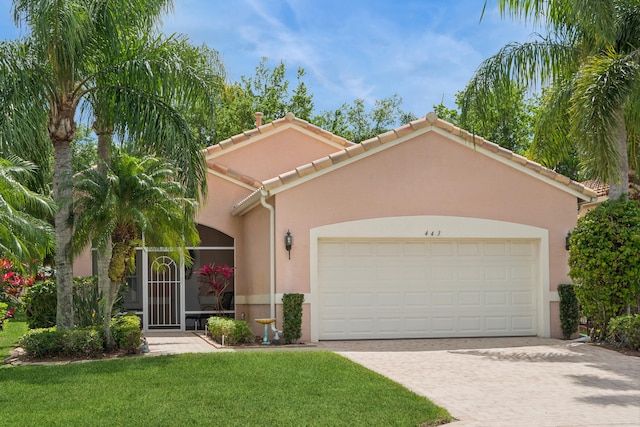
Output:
x=604 y=262
x=49 y=342
x=292 y=317
x=569 y=310
x=40 y=304
x=127 y=333
x=86 y=302
x=624 y=331
x=4 y=307
x=234 y=331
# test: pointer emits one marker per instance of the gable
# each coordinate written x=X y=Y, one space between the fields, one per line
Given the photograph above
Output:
x=271 y=149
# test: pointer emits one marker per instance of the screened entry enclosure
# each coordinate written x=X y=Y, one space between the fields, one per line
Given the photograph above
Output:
x=167 y=295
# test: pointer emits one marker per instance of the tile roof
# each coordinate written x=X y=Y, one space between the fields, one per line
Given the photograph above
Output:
x=600 y=188
x=430 y=119
x=352 y=150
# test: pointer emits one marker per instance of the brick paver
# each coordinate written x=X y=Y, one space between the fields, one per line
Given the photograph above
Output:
x=510 y=381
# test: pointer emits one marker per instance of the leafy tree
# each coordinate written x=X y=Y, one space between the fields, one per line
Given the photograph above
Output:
x=24 y=236
x=103 y=58
x=589 y=62
x=506 y=119
x=135 y=198
x=267 y=92
x=604 y=261
x=356 y=124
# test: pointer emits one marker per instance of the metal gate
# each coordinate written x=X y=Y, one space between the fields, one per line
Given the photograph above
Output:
x=164 y=293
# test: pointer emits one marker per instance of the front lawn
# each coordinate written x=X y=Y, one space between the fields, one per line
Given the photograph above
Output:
x=284 y=388
x=12 y=331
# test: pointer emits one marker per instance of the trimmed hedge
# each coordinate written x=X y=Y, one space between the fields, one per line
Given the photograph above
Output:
x=49 y=342
x=234 y=331
x=127 y=333
x=569 y=310
x=292 y=317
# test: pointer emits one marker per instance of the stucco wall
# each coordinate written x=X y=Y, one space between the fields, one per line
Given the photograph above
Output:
x=429 y=175
x=289 y=149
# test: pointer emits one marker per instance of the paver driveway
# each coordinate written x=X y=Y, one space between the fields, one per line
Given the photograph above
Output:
x=510 y=381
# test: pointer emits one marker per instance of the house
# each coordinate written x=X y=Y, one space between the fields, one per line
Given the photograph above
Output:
x=424 y=231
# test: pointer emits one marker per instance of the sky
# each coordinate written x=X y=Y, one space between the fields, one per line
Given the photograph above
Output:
x=423 y=50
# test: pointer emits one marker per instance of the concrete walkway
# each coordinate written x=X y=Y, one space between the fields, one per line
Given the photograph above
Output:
x=491 y=381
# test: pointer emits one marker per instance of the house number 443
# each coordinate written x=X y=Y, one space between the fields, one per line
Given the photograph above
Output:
x=434 y=233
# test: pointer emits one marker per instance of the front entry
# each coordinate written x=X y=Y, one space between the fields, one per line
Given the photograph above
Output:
x=165 y=293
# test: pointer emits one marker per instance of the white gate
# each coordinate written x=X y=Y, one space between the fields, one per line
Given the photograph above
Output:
x=164 y=293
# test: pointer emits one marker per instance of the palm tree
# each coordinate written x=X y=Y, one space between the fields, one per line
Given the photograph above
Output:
x=24 y=236
x=74 y=57
x=589 y=63
x=135 y=198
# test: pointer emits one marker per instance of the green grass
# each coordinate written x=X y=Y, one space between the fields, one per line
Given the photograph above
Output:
x=9 y=336
x=248 y=388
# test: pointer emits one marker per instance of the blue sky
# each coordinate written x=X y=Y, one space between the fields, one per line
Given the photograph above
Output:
x=423 y=50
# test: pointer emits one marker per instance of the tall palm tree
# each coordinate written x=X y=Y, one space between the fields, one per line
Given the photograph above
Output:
x=73 y=58
x=135 y=198
x=24 y=235
x=589 y=63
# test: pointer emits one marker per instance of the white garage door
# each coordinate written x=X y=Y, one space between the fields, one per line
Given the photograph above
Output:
x=387 y=288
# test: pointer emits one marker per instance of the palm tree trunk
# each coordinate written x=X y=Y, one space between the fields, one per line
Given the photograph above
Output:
x=104 y=256
x=62 y=128
x=621 y=186
x=104 y=284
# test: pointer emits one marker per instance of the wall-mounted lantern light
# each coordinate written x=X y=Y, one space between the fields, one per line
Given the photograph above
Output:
x=566 y=241
x=288 y=242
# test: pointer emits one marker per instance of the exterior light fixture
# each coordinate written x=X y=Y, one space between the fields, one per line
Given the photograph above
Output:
x=566 y=241
x=288 y=242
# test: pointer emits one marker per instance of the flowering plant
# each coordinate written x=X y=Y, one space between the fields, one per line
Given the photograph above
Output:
x=218 y=278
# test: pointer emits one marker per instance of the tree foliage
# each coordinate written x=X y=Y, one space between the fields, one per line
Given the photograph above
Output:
x=605 y=261
x=588 y=61
x=268 y=92
x=506 y=118
x=356 y=124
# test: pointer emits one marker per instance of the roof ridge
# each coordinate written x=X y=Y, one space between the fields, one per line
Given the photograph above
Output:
x=231 y=173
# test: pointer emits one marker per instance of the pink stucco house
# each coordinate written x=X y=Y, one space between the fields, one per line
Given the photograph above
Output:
x=424 y=231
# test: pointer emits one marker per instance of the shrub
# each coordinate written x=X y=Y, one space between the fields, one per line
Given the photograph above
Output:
x=604 y=261
x=127 y=333
x=625 y=331
x=49 y=342
x=86 y=301
x=40 y=304
x=569 y=310
x=292 y=317
x=234 y=331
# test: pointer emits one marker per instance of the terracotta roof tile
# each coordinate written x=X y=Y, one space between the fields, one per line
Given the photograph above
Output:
x=322 y=163
x=355 y=150
x=220 y=168
x=305 y=170
x=272 y=183
x=289 y=176
x=387 y=136
x=404 y=130
x=373 y=143
x=600 y=188
x=339 y=156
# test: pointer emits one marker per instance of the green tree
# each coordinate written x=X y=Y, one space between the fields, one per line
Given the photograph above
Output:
x=604 y=261
x=267 y=91
x=103 y=57
x=588 y=60
x=24 y=236
x=356 y=124
x=507 y=119
x=137 y=198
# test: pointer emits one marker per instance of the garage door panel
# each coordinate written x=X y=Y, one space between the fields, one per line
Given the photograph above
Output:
x=416 y=289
